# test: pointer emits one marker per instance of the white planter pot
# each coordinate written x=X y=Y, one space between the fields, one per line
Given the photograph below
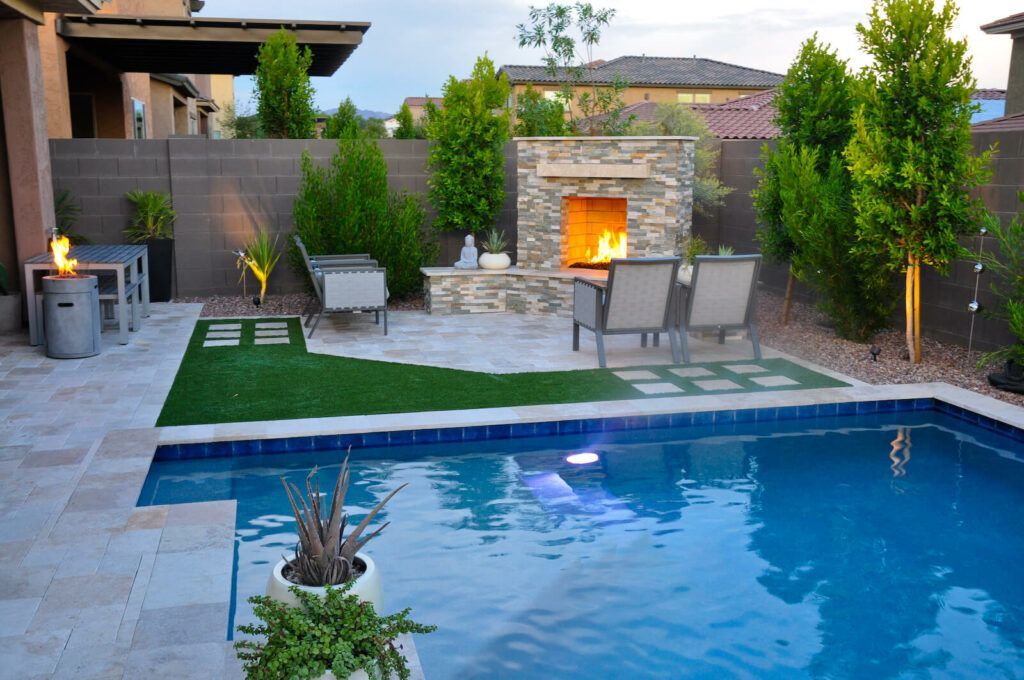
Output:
x=358 y=675
x=10 y=313
x=495 y=261
x=367 y=587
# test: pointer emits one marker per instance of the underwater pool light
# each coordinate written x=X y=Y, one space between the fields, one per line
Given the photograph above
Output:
x=582 y=458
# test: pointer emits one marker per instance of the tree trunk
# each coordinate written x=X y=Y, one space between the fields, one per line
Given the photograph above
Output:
x=787 y=302
x=917 y=310
x=909 y=306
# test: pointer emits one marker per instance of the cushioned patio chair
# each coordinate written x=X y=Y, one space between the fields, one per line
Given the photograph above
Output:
x=637 y=299
x=350 y=289
x=326 y=260
x=722 y=296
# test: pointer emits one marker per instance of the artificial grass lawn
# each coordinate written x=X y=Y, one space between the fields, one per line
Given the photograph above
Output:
x=275 y=382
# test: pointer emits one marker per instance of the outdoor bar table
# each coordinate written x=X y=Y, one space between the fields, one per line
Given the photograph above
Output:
x=128 y=263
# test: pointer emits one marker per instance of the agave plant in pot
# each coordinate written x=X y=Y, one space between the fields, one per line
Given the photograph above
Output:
x=324 y=555
x=153 y=224
x=495 y=256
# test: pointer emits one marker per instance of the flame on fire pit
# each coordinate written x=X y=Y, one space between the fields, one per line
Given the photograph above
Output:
x=61 y=246
x=611 y=244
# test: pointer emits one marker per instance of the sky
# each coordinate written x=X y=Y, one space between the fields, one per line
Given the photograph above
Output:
x=414 y=45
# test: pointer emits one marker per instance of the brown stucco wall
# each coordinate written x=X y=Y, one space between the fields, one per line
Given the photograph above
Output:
x=661 y=95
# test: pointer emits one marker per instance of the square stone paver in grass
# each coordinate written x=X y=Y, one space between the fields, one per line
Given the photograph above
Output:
x=658 y=388
x=271 y=324
x=746 y=368
x=225 y=327
x=277 y=332
x=635 y=375
x=221 y=343
x=693 y=372
x=214 y=335
x=272 y=341
x=715 y=385
x=774 y=381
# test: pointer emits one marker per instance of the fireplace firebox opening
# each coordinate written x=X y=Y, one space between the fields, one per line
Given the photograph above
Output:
x=593 y=231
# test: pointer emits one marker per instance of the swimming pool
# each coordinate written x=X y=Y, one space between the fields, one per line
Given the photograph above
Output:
x=876 y=545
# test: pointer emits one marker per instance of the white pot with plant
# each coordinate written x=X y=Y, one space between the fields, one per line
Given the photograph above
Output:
x=495 y=256
x=10 y=305
x=331 y=636
x=324 y=556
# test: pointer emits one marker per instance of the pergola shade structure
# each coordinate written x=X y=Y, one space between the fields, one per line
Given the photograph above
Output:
x=194 y=45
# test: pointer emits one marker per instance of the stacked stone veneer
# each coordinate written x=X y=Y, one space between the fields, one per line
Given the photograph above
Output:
x=659 y=200
x=512 y=290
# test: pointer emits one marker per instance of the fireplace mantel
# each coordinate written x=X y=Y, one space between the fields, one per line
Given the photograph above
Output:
x=595 y=170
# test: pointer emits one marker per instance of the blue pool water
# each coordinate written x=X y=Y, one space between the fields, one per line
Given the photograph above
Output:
x=858 y=546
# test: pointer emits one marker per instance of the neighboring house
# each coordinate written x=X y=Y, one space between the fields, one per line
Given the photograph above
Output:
x=1012 y=26
x=418 y=107
x=753 y=117
x=658 y=80
x=134 y=69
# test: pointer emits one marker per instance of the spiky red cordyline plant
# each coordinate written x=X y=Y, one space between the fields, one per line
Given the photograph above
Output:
x=322 y=556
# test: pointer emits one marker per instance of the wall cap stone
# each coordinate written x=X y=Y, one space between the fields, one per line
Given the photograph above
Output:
x=624 y=138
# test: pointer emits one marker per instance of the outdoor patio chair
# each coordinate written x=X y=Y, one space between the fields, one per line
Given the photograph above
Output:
x=637 y=299
x=327 y=260
x=350 y=289
x=722 y=296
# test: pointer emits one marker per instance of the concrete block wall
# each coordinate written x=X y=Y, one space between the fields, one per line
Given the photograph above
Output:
x=223 y=191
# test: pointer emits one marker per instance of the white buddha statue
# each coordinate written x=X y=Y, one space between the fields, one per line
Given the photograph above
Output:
x=468 y=259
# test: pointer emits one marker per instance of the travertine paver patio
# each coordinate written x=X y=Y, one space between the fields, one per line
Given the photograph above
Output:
x=93 y=587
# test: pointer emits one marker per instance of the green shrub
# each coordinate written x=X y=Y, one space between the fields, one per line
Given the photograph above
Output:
x=284 y=95
x=407 y=128
x=539 y=117
x=339 y=633
x=1006 y=266
x=347 y=207
x=467 y=159
x=343 y=123
x=816 y=208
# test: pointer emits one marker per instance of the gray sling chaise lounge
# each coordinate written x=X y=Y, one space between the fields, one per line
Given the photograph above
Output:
x=636 y=300
x=722 y=295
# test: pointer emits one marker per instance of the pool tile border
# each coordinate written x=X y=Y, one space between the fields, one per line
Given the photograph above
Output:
x=434 y=435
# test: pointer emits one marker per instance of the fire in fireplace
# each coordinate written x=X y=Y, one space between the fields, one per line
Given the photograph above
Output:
x=593 y=230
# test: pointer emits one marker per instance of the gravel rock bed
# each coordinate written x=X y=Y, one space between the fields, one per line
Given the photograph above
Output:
x=808 y=336
x=278 y=305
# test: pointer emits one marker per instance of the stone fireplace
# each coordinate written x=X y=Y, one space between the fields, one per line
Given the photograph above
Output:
x=581 y=201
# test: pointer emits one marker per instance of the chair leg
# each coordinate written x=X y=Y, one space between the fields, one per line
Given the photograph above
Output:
x=575 y=337
x=721 y=336
x=684 y=340
x=376 y=318
x=643 y=339
x=657 y=339
x=385 y=320
x=675 y=345
x=755 y=341
x=600 y=349
x=313 y=330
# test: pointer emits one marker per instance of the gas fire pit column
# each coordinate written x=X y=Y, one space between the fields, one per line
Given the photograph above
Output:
x=71 y=316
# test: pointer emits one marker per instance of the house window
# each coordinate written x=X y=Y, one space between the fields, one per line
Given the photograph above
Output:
x=139 y=118
x=647 y=96
x=684 y=97
x=552 y=95
x=702 y=98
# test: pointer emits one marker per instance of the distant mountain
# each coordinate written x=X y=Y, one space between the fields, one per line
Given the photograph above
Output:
x=363 y=113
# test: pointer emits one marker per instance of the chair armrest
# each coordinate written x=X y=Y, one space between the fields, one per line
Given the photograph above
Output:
x=588 y=301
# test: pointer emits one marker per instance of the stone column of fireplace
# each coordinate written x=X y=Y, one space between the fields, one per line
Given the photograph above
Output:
x=653 y=174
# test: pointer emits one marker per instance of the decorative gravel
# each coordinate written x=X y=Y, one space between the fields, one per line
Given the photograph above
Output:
x=231 y=306
x=808 y=336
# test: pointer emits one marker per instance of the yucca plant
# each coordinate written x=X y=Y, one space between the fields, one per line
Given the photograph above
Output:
x=324 y=555
x=260 y=256
x=725 y=251
x=154 y=217
x=495 y=242
x=66 y=211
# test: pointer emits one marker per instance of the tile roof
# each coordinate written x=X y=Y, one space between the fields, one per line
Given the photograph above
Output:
x=655 y=71
x=1010 y=24
x=989 y=93
x=1006 y=123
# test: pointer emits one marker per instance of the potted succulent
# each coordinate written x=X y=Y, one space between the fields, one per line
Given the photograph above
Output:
x=1011 y=379
x=1006 y=264
x=334 y=636
x=495 y=256
x=693 y=246
x=153 y=224
x=323 y=555
x=10 y=305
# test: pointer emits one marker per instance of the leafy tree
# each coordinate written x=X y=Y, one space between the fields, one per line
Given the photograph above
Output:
x=344 y=123
x=468 y=158
x=568 y=34
x=679 y=119
x=373 y=128
x=406 y=125
x=237 y=124
x=284 y=94
x=911 y=154
x=537 y=116
x=347 y=207
x=815 y=105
